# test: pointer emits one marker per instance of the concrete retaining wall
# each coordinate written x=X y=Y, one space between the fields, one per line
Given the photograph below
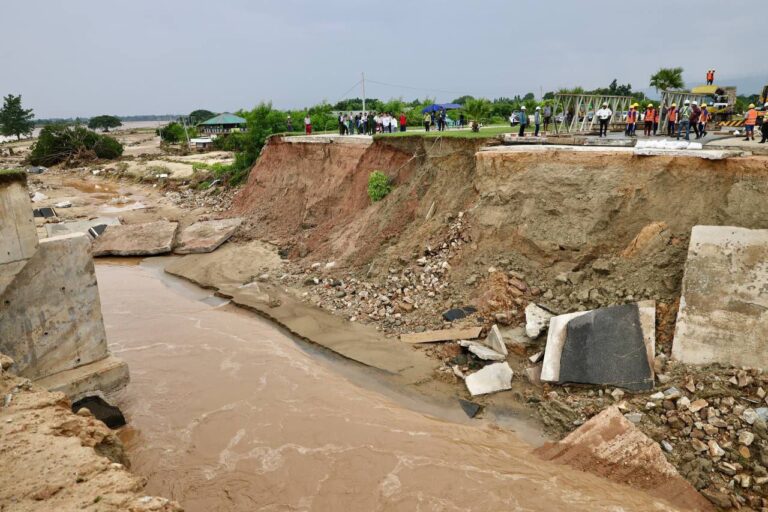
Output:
x=51 y=316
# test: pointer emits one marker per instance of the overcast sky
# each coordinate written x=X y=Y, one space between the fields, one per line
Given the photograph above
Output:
x=89 y=57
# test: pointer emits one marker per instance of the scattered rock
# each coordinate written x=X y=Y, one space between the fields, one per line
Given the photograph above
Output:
x=470 y=408
x=536 y=320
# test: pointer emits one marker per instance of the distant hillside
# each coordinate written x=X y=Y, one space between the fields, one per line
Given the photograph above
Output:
x=84 y=120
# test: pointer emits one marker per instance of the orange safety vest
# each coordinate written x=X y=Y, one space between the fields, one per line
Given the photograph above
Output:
x=631 y=116
x=673 y=114
x=704 y=116
x=649 y=114
x=709 y=75
x=751 y=117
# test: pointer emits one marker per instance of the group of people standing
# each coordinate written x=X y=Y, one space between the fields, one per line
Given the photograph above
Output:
x=439 y=120
x=372 y=122
x=689 y=117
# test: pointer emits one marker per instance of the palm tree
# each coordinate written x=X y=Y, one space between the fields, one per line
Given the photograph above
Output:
x=478 y=109
x=666 y=79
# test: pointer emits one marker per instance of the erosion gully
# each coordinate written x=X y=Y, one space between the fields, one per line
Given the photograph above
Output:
x=229 y=413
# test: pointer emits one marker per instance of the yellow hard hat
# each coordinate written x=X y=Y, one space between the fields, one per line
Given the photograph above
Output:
x=751 y=105
x=650 y=105
x=674 y=104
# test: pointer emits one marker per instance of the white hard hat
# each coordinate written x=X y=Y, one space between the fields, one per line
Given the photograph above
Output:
x=694 y=103
x=687 y=102
x=538 y=108
x=766 y=104
x=523 y=107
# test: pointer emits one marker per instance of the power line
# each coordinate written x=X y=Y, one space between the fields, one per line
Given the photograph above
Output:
x=415 y=88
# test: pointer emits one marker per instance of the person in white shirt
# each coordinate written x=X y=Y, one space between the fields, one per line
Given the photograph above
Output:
x=604 y=115
x=385 y=123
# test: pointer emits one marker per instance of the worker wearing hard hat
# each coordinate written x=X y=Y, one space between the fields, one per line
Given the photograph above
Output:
x=536 y=121
x=650 y=115
x=523 y=121
x=694 y=117
x=764 y=126
x=684 y=121
x=703 y=120
x=710 y=76
x=750 y=120
x=671 y=119
x=631 y=120
x=604 y=115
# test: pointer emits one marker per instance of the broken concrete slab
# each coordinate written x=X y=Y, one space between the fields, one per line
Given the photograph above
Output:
x=482 y=351
x=17 y=226
x=147 y=239
x=442 y=335
x=206 y=236
x=490 y=379
x=495 y=340
x=610 y=446
x=723 y=315
x=106 y=375
x=80 y=226
x=536 y=320
x=608 y=346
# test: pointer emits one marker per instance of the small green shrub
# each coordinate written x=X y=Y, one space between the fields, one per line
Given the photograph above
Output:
x=378 y=186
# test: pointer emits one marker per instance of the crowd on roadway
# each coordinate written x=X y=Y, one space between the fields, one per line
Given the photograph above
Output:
x=680 y=120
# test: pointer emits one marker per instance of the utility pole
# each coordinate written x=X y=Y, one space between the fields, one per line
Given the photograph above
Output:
x=363 y=82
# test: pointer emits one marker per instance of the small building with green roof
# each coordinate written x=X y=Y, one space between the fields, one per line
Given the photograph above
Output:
x=222 y=124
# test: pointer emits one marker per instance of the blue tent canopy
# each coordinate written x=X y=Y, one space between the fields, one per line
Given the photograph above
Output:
x=436 y=107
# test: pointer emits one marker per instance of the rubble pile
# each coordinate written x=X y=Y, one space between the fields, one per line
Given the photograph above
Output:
x=409 y=298
x=214 y=198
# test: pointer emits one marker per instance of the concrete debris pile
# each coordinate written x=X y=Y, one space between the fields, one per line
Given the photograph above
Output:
x=613 y=448
x=608 y=346
x=408 y=298
x=215 y=199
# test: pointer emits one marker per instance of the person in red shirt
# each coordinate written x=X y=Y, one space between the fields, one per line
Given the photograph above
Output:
x=403 y=121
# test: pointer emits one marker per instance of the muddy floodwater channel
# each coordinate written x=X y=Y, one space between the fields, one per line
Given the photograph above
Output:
x=228 y=413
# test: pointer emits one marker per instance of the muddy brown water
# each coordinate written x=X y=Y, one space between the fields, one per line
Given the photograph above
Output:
x=228 y=413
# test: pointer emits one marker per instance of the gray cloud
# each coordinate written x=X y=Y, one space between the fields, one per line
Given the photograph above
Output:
x=87 y=57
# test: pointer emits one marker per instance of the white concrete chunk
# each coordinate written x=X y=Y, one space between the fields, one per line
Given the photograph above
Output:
x=495 y=340
x=536 y=319
x=494 y=377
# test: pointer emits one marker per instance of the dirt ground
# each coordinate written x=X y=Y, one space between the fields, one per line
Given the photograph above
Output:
x=84 y=465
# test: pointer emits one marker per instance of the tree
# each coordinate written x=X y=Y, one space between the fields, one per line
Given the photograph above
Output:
x=104 y=122
x=478 y=109
x=200 y=116
x=15 y=120
x=59 y=143
x=172 y=133
x=666 y=79
x=461 y=100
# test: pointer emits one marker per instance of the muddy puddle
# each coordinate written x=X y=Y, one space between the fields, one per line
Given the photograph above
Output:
x=228 y=413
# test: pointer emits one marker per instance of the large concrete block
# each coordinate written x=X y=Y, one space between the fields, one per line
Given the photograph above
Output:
x=50 y=315
x=106 y=375
x=146 y=239
x=80 y=226
x=18 y=236
x=608 y=346
x=206 y=236
x=723 y=315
